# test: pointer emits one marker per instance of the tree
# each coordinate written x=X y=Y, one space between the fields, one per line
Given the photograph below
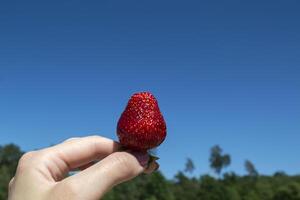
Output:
x=185 y=188
x=230 y=178
x=288 y=192
x=157 y=188
x=250 y=168
x=189 y=166
x=251 y=196
x=211 y=188
x=9 y=157
x=280 y=174
x=4 y=179
x=148 y=187
x=217 y=160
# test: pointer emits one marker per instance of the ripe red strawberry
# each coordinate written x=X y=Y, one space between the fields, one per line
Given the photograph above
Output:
x=141 y=125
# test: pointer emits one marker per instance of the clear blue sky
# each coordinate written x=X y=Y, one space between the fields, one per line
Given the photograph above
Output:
x=224 y=72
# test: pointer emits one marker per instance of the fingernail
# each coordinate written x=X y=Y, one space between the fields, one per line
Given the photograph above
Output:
x=143 y=158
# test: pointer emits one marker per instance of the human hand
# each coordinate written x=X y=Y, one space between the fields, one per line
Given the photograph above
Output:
x=41 y=175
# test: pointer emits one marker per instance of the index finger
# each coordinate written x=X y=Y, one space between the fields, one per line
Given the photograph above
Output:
x=73 y=153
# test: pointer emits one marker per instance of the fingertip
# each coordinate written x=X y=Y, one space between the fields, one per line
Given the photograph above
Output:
x=142 y=157
x=153 y=166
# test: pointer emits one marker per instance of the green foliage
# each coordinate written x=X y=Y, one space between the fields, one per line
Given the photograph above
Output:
x=185 y=188
x=217 y=160
x=150 y=187
x=9 y=157
x=288 y=192
x=4 y=179
x=156 y=187
x=189 y=166
x=279 y=174
x=280 y=186
x=250 y=168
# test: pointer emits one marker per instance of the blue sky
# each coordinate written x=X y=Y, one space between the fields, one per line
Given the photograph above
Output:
x=224 y=73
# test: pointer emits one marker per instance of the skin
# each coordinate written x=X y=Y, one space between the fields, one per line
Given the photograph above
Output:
x=42 y=174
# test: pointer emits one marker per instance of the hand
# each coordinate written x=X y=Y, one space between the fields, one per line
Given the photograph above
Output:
x=41 y=175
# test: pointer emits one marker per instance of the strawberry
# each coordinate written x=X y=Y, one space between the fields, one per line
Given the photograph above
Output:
x=141 y=126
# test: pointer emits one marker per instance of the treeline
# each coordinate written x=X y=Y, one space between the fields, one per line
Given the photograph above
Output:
x=185 y=185
x=230 y=187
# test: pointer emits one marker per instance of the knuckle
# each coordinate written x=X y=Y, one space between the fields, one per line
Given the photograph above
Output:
x=30 y=159
x=25 y=160
x=27 y=156
x=96 y=137
x=41 y=156
x=96 y=141
x=11 y=182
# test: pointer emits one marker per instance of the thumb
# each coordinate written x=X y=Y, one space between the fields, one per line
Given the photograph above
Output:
x=93 y=182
